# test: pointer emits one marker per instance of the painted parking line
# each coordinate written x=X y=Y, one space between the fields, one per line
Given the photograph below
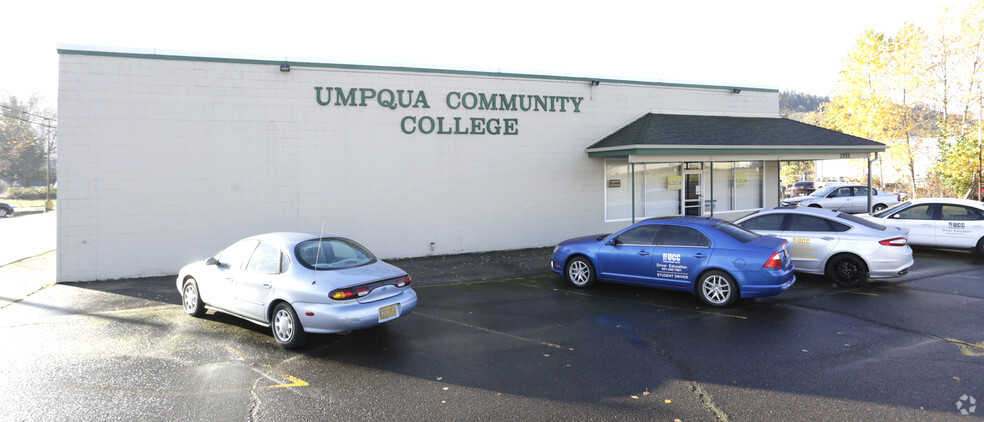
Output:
x=491 y=331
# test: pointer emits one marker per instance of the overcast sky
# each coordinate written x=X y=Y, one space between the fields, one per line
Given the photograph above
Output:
x=789 y=45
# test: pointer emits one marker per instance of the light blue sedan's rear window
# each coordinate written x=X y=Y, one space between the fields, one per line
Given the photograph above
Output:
x=332 y=254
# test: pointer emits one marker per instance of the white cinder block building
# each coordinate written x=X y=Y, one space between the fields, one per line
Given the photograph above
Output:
x=165 y=159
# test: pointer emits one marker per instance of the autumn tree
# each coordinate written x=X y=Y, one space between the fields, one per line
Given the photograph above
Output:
x=26 y=139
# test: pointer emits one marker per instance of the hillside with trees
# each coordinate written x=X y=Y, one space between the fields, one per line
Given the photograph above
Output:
x=919 y=91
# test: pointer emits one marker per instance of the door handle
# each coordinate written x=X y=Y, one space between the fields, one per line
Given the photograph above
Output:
x=643 y=253
x=827 y=238
x=700 y=256
x=267 y=285
x=229 y=279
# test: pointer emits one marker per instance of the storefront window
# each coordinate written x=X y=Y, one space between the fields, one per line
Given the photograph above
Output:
x=748 y=185
x=659 y=188
x=618 y=190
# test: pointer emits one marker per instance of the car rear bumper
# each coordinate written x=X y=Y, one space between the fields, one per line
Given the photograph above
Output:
x=335 y=318
x=759 y=289
x=888 y=265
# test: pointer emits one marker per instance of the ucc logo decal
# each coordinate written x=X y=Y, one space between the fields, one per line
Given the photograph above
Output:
x=671 y=257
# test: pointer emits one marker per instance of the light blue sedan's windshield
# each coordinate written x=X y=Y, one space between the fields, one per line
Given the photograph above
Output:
x=332 y=254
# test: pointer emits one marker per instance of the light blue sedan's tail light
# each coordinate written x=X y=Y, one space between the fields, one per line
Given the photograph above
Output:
x=360 y=291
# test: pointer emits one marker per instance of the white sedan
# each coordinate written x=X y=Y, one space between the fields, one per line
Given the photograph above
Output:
x=297 y=283
x=938 y=222
x=845 y=248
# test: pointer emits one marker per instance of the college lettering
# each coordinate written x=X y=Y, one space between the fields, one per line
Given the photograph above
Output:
x=408 y=98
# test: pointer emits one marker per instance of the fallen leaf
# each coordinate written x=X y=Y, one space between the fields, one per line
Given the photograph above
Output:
x=667 y=401
x=956 y=378
x=635 y=397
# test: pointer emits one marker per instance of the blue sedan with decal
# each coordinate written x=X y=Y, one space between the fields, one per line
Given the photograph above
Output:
x=711 y=258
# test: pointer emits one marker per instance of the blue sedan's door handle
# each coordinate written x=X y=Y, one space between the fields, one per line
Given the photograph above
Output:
x=643 y=252
x=700 y=256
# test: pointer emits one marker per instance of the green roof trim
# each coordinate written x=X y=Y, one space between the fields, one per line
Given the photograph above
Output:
x=154 y=56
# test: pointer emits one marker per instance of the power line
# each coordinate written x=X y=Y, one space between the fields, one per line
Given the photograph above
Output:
x=27 y=112
x=26 y=120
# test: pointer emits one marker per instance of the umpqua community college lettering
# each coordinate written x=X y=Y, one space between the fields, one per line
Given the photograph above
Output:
x=426 y=124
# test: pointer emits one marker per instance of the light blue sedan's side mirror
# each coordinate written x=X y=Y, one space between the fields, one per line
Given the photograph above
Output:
x=212 y=261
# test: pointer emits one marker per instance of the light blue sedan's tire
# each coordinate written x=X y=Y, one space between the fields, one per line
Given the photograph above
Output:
x=286 y=327
x=579 y=272
x=191 y=299
x=717 y=288
x=879 y=207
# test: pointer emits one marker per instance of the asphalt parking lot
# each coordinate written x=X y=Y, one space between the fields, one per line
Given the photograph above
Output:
x=496 y=336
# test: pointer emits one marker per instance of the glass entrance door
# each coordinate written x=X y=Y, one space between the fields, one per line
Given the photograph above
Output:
x=691 y=195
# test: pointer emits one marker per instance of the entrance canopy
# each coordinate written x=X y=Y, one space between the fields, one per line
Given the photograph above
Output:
x=684 y=138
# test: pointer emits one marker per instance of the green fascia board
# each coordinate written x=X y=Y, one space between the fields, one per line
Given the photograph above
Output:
x=709 y=151
x=398 y=69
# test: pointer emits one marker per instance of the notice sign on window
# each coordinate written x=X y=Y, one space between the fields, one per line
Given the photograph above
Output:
x=614 y=183
x=741 y=180
x=674 y=182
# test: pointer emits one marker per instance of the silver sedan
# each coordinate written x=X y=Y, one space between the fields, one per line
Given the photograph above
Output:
x=298 y=283
x=845 y=248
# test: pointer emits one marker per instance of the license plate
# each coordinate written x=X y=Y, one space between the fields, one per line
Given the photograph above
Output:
x=387 y=312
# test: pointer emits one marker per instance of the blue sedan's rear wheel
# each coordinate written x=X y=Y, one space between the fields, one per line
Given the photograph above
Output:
x=717 y=288
x=580 y=272
x=286 y=327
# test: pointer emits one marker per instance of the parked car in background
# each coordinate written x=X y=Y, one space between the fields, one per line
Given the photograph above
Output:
x=845 y=248
x=802 y=188
x=711 y=258
x=938 y=222
x=846 y=198
x=6 y=210
x=298 y=283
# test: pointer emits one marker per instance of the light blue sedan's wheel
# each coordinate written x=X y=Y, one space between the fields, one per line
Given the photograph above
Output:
x=191 y=300
x=717 y=288
x=286 y=327
x=580 y=272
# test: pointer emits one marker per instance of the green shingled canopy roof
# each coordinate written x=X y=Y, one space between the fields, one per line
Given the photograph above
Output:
x=653 y=133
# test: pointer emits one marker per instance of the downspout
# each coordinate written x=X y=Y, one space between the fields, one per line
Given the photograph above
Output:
x=632 y=170
x=712 y=189
x=870 y=161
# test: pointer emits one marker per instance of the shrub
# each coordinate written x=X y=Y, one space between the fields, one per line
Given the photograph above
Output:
x=28 y=193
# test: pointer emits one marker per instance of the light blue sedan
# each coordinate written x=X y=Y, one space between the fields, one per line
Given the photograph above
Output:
x=298 y=283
